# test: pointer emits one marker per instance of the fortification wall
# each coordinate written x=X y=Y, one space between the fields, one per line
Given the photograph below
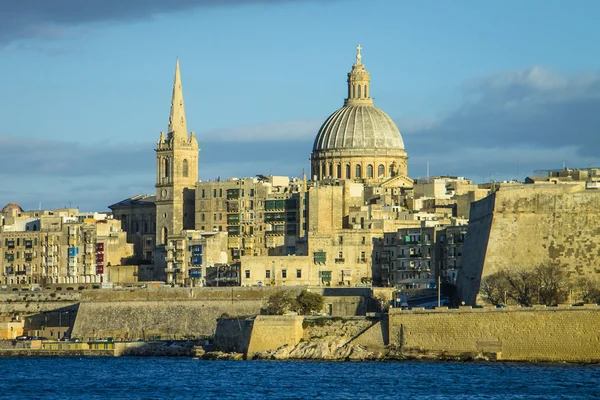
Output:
x=27 y=303
x=131 y=294
x=175 y=319
x=233 y=335
x=529 y=225
x=273 y=331
x=541 y=334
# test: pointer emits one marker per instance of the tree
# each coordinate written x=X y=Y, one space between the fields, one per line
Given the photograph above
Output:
x=544 y=284
x=309 y=302
x=494 y=289
x=280 y=302
x=589 y=290
x=552 y=284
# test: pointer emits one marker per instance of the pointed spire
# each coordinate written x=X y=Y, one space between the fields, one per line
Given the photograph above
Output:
x=177 y=124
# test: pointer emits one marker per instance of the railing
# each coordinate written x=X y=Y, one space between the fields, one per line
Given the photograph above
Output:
x=339 y=260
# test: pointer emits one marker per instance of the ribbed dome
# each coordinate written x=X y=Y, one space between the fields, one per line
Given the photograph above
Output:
x=358 y=127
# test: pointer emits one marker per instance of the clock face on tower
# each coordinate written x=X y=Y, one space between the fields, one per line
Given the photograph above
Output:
x=164 y=193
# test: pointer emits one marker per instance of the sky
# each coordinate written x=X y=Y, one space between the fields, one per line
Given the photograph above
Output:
x=481 y=89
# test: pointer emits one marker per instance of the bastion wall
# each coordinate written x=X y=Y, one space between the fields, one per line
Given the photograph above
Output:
x=518 y=334
x=529 y=225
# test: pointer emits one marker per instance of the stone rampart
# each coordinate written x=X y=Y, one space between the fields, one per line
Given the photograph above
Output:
x=270 y=332
x=528 y=225
x=519 y=334
x=167 y=319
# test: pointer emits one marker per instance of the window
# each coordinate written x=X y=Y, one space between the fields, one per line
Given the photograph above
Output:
x=339 y=171
x=251 y=192
x=340 y=239
x=247 y=272
x=268 y=274
x=220 y=192
x=331 y=170
x=203 y=193
x=348 y=171
x=214 y=217
x=166 y=168
x=365 y=93
x=220 y=217
x=298 y=273
x=165 y=234
x=284 y=273
x=380 y=170
x=359 y=91
x=362 y=256
x=369 y=171
x=202 y=215
x=391 y=170
x=364 y=240
x=358 y=171
x=185 y=168
x=214 y=192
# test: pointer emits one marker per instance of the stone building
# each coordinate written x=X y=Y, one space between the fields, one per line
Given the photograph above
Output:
x=138 y=218
x=452 y=242
x=189 y=254
x=262 y=216
x=59 y=246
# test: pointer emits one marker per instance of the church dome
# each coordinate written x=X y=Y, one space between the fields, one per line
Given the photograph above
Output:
x=358 y=127
x=358 y=141
x=10 y=207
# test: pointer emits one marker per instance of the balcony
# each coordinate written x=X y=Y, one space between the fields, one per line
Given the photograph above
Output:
x=339 y=260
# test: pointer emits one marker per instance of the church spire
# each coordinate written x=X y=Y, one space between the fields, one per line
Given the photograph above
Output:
x=359 y=82
x=177 y=124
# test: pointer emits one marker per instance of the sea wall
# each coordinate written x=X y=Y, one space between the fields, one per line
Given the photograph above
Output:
x=273 y=331
x=566 y=333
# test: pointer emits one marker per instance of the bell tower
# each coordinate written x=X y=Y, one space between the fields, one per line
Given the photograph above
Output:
x=176 y=172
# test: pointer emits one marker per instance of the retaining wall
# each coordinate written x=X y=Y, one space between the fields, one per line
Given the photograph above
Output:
x=519 y=334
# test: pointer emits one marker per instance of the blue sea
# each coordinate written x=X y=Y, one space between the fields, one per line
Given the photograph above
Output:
x=186 y=378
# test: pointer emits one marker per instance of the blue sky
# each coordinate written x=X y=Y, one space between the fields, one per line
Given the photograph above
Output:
x=476 y=88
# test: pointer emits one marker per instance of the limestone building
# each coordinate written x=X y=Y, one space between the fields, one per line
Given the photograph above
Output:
x=59 y=246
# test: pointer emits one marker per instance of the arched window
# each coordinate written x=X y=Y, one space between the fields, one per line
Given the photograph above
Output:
x=331 y=170
x=369 y=171
x=380 y=170
x=353 y=91
x=185 y=168
x=347 y=171
x=359 y=87
x=165 y=234
x=358 y=171
x=339 y=171
x=365 y=93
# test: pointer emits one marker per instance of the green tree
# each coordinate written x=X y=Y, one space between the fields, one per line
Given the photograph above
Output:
x=280 y=302
x=309 y=302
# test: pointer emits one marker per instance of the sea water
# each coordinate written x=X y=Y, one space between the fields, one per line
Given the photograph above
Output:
x=184 y=378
